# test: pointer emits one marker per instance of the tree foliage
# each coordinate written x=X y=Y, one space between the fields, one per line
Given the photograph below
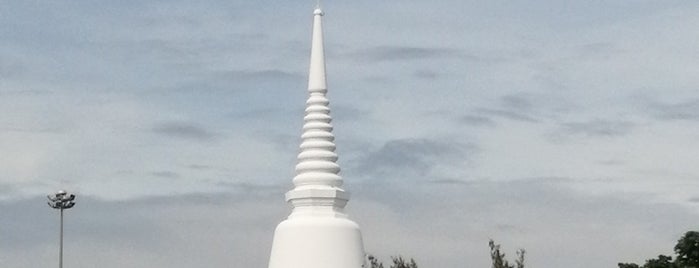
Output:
x=687 y=250
x=497 y=256
x=398 y=262
x=661 y=262
x=628 y=265
x=374 y=262
x=499 y=260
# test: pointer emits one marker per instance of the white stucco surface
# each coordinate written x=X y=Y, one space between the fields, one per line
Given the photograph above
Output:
x=318 y=233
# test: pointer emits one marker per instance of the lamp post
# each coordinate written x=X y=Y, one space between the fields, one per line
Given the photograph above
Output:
x=61 y=200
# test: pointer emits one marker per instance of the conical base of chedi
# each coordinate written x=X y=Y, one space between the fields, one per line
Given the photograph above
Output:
x=317 y=234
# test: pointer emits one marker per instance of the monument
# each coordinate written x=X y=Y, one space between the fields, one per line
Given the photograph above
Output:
x=317 y=233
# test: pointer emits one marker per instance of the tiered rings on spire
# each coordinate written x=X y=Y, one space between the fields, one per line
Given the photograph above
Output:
x=317 y=158
x=317 y=181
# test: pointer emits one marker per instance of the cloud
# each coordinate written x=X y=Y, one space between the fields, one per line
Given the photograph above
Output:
x=29 y=130
x=611 y=162
x=410 y=156
x=511 y=115
x=172 y=64
x=475 y=120
x=183 y=130
x=7 y=190
x=521 y=107
x=596 y=128
x=519 y=102
x=452 y=222
x=261 y=75
x=446 y=223
x=398 y=53
x=248 y=84
x=167 y=231
x=165 y=174
x=25 y=92
x=450 y=181
x=345 y=113
x=426 y=74
x=199 y=167
x=685 y=110
x=599 y=50
x=266 y=189
x=11 y=68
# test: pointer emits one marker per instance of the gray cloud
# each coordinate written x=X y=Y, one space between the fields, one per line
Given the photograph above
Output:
x=262 y=75
x=397 y=53
x=518 y=102
x=29 y=130
x=523 y=107
x=33 y=222
x=264 y=189
x=686 y=110
x=344 y=113
x=10 y=68
x=536 y=214
x=216 y=58
x=183 y=130
x=426 y=74
x=511 y=115
x=7 y=189
x=248 y=83
x=596 y=128
x=601 y=50
x=454 y=219
x=199 y=167
x=611 y=162
x=450 y=181
x=410 y=156
x=165 y=174
x=520 y=107
x=179 y=230
x=25 y=92
x=476 y=120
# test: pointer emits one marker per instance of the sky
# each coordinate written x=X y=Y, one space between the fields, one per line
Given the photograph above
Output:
x=567 y=128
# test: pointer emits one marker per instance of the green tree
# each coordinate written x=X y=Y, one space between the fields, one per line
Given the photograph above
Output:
x=687 y=250
x=661 y=262
x=398 y=262
x=628 y=265
x=374 y=262
x=499 y=260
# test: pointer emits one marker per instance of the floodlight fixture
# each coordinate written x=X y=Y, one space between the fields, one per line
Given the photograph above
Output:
x=61 y=200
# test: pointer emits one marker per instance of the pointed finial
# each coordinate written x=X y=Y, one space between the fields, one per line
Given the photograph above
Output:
x=318 y=10
x=316 y=77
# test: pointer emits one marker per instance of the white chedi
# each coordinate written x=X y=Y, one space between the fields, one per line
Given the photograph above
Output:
x=317 y=233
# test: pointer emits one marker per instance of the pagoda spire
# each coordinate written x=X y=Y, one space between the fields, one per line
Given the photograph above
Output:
x=317 y=233
x=317 y=167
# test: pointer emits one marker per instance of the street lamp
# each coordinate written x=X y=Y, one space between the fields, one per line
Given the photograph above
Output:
x=61 y=200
